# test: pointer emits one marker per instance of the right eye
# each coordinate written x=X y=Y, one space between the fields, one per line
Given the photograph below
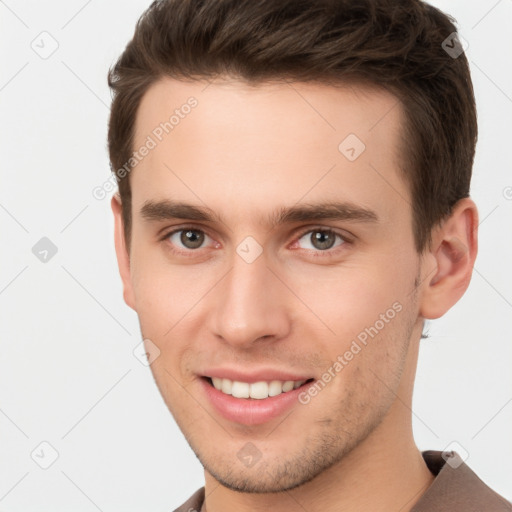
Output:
x=186 y=239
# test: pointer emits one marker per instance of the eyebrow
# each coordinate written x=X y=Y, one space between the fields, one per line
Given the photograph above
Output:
x=304 y=212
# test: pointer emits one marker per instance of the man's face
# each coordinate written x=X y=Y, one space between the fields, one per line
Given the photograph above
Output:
x=240 y=296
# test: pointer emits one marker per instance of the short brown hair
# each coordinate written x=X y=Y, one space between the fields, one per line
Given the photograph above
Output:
x=399 y=45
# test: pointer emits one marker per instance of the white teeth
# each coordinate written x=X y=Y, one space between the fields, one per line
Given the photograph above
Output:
x=226 y=386
x=288 y=385
x=240 y=389
x=258 y=390
x=275 y=388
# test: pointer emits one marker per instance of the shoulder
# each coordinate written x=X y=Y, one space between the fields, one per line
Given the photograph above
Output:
x=194 y=503
x=457 y=488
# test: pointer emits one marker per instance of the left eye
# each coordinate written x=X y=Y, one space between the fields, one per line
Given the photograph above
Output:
x=321 y=239
x=189 y=238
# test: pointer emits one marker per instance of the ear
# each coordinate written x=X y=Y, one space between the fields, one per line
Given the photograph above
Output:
x=449 y=263
x=123 y=256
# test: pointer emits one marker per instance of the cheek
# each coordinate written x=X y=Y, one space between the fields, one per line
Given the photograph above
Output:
x=349 y=299
x=163 y=292
x=170 y=301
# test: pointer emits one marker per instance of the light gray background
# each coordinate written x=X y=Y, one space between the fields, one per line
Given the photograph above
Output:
x=68 y=375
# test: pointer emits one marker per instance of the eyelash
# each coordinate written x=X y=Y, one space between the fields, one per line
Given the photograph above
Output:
x=315 y=253
x=327 y=252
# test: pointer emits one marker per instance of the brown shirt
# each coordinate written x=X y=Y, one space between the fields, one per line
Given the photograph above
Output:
x=455 y=488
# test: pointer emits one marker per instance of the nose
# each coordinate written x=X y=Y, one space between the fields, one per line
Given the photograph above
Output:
x=251 y=305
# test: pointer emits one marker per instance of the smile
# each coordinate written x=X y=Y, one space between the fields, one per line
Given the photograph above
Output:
x=256 y=390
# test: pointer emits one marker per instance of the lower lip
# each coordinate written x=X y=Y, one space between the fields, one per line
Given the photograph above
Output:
x=251 y=411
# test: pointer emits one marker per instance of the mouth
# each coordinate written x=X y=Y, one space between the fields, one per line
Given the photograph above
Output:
x=254 y=390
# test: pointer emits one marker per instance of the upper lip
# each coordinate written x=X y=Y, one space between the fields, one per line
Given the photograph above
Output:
x=250 y=376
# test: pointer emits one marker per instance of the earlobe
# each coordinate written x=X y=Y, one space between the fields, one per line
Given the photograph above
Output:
x=122 y=253
x=453 y=254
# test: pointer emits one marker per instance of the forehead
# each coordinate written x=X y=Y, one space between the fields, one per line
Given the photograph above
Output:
x=227 y=103
x=272 y=142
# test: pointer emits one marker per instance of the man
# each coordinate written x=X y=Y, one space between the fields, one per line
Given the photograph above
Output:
x=293 y=204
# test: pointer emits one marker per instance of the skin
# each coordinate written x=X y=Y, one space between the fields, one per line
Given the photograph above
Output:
x=243 y=152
